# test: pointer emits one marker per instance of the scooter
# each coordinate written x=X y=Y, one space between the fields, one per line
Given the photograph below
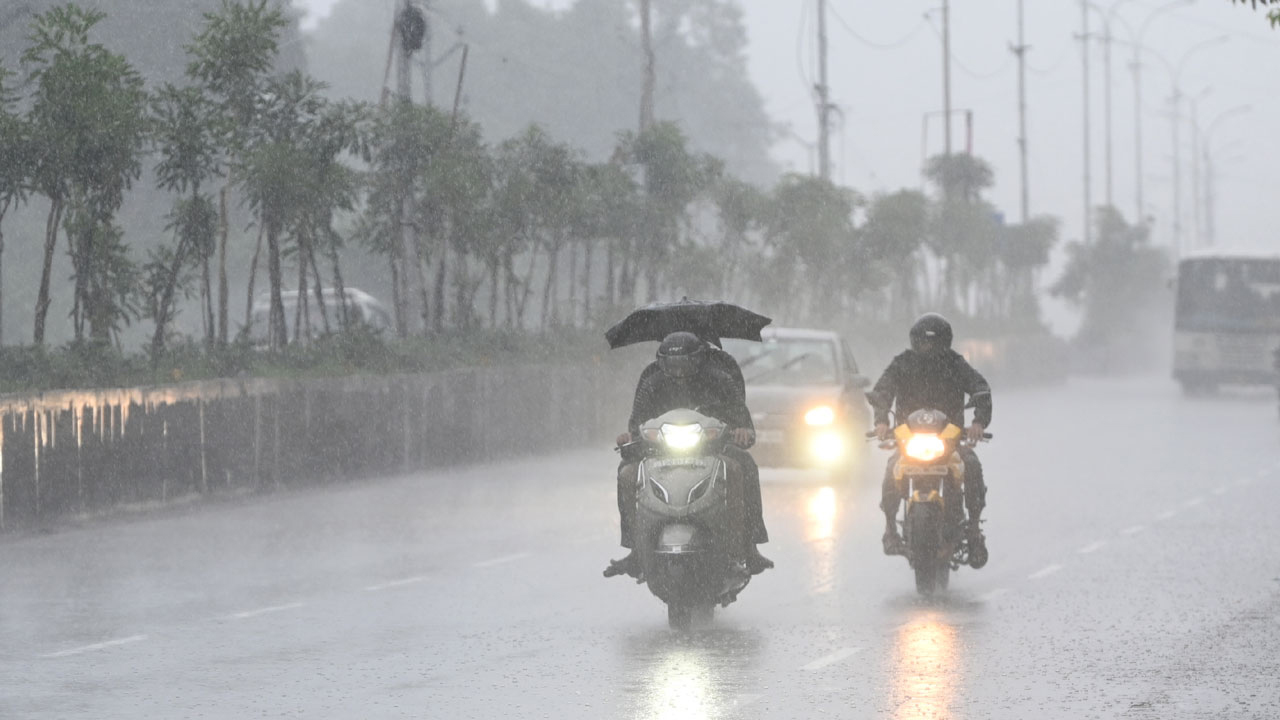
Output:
x=933 y=525
x=686 y=537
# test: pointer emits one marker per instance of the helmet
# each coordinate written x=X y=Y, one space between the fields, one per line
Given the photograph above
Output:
x=681 y=354
x=931 y=333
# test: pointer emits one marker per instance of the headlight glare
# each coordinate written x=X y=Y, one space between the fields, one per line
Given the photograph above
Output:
x=925 y=447
x=821 y=415
x=682 y=437
x=828 y=447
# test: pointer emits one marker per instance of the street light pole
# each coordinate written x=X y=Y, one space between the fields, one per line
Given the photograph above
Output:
x=1210 y=195
x=946 y=75
x=1021 y=52
x=1137 y=101
x=1177 y=147
x=1088 y=155
x=824 y=101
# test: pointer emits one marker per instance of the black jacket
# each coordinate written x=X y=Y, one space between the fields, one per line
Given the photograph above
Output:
x=914 y=381
x=711 y=391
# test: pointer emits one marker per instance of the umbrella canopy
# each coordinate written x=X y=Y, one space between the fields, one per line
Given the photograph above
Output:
x=708 y=320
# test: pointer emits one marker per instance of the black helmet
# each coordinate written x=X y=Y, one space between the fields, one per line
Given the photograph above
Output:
x=931 y=333
x=681 y=354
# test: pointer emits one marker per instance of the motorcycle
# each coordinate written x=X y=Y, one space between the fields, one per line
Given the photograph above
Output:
x=933 y=525
x=686 y=535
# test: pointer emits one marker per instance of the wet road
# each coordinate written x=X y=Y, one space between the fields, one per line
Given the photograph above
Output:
x=1133 y=574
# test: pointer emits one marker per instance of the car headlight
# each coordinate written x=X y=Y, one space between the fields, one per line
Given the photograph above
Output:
x=682 y=437
x=821 y=415
x=925 y=447
x=828 y=447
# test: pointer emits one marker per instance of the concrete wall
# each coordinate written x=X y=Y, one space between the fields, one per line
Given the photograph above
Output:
x=82 y=452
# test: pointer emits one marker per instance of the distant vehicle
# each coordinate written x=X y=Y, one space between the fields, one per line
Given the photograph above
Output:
x=1226 y=320
x=361 y=306
x=806 y=398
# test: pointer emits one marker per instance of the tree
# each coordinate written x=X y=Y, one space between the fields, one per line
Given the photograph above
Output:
x=190 y=157
x=1272 y=15
x=231 y=59
x=15 y=160
x=1116 y=281
x=89 y=124
x=895 y=232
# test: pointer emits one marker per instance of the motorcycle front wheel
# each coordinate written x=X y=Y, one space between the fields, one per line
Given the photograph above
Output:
x=684 y=617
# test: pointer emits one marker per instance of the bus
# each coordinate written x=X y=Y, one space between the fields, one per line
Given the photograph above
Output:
x=1227 y=320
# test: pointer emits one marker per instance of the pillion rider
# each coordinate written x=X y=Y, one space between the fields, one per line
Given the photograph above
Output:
x=931 y=375
x=682 y=376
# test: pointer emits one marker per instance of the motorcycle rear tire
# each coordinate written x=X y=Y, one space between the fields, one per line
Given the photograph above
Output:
x=684 y=618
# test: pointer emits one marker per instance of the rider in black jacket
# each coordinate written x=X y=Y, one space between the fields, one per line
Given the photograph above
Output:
x=932 y=375
x=682 y=377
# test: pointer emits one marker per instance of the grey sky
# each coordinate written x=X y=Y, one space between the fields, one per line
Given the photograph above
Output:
x=884 y=93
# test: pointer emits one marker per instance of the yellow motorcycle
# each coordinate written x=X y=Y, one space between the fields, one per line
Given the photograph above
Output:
x=931 y=469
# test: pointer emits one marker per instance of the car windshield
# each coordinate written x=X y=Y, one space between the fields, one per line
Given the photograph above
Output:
x=785 y=361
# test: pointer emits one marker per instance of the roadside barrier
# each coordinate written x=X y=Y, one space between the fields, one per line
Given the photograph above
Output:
x=66 y=453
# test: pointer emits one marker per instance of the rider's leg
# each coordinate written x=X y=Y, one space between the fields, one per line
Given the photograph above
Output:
x=890 y=501
x=744 y=487
x=629 y=565
x=975 y=499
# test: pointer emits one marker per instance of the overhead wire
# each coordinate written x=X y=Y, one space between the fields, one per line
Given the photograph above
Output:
x=965 y=68
x=872 y=43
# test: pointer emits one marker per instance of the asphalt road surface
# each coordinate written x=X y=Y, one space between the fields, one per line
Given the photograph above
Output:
x=1134 y=574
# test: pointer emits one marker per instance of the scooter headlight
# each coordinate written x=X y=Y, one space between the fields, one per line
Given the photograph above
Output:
x=820 y=415
x=682 y=437
x=925 y=447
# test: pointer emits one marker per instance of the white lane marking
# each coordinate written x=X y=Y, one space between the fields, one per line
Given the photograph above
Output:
x=1133 y=530
x=1044 y=572
x=96 y=646
x=988 y=597
x=396 y=583
x=1193 y=502
x=500 y=560
x=831 y=659
x=1094 y=546
x=1166 y=514
x=263 y=611
x=1220 y=490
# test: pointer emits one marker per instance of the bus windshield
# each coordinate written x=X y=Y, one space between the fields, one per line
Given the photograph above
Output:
x=1231 y=294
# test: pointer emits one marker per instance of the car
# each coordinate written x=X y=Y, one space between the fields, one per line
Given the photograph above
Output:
x=361 y=307
x=806 y=398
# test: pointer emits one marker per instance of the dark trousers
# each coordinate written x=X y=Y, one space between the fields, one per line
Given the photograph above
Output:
x=753 y=504
x=975 y=489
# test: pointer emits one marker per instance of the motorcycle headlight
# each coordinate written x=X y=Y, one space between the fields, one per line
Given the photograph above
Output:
x=821 y=415
x=925 y=447
x=682 y=437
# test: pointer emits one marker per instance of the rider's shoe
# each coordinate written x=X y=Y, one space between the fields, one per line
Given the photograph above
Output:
x=629 y=565
x=757 y=563
x=977 y=547
x=893 y=543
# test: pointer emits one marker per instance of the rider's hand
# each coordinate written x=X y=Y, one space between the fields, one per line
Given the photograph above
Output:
x=742 y=437
x=975 y=432
x=623 y=439
x=882 y=431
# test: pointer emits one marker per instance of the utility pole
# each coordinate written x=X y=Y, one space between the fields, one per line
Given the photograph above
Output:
x=1021 y=51
x=1106 y=101
x=1084 y=55
x=946 y=76
x=646 y=88
x=824 y=100
x=427 y=94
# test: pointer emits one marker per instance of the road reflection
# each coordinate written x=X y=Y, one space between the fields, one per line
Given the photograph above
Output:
x=926 y=668
x=822 y=509
x=697 y=676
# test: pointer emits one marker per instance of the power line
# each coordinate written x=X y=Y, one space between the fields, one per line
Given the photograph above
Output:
x=969 y=71
x=872 y=43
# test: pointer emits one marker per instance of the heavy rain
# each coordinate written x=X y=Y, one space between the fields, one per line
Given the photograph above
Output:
x=645 y=359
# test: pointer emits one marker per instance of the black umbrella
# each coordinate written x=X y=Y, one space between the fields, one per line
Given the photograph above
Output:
x=708 y=320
